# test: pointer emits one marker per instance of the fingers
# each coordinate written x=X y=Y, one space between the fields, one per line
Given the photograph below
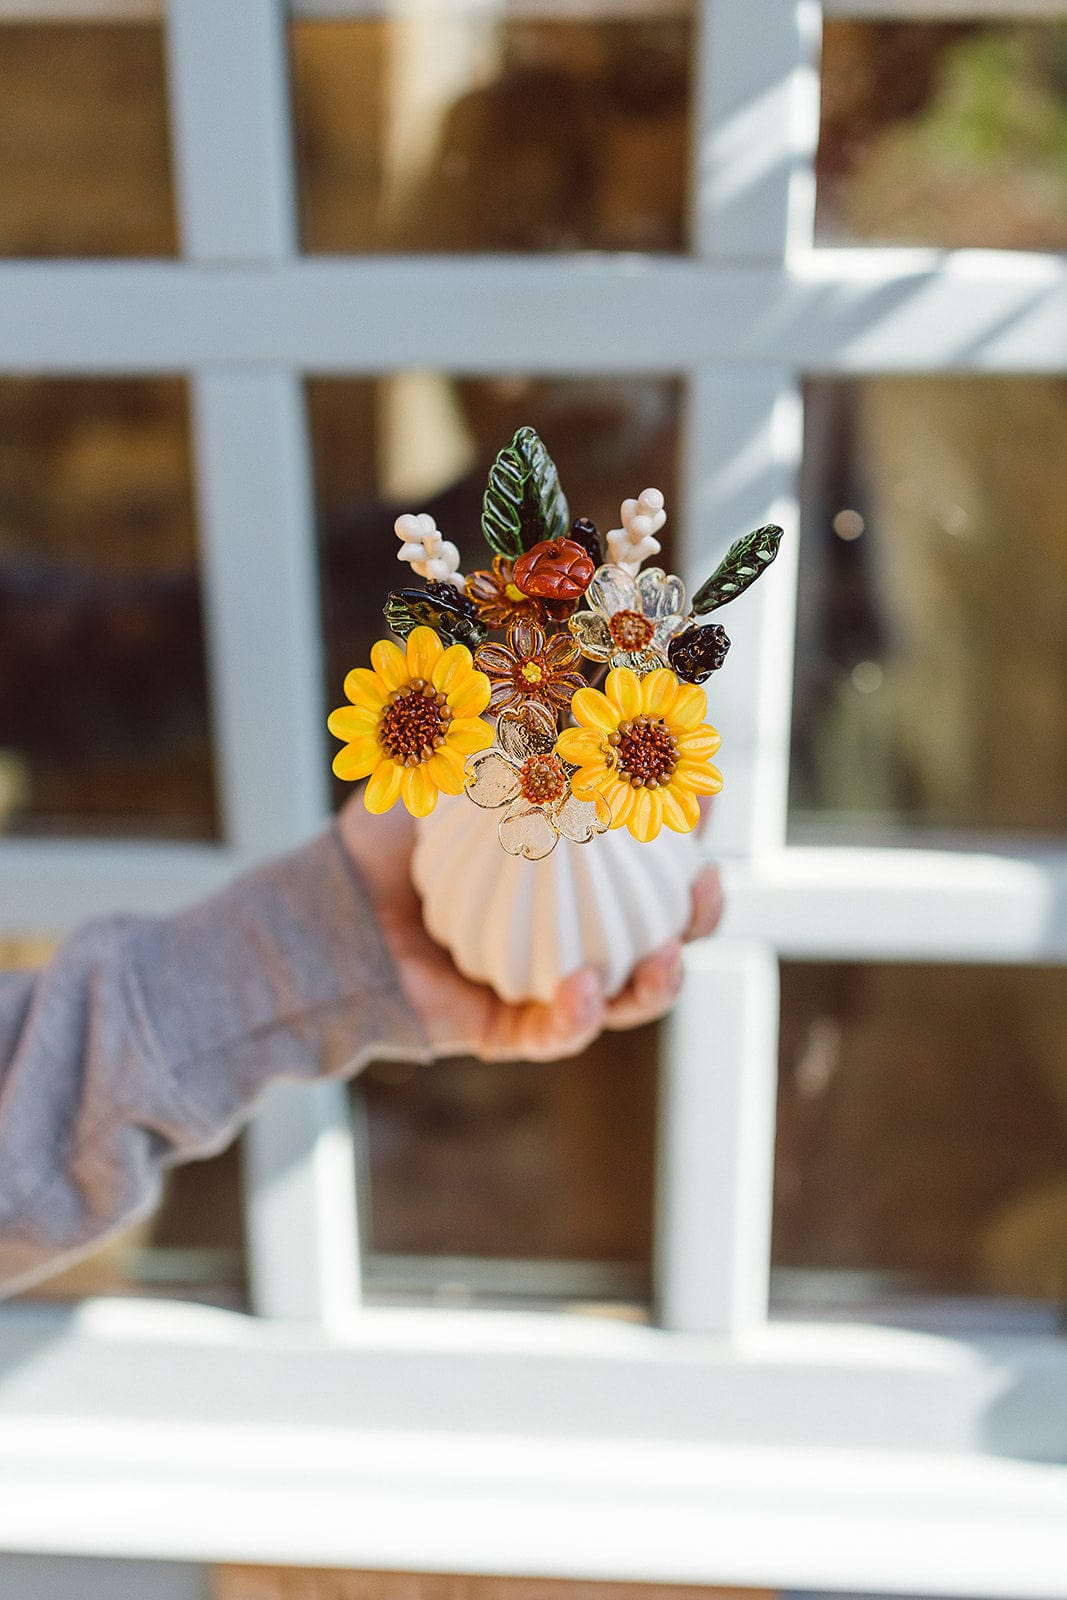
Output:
x=706 y=908
x=652 y=990
x=564 y=1027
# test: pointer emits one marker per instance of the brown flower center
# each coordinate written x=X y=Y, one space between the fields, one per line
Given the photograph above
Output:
x=543 y=779
x=414 y=723
x=630 y=630
x=646 y=753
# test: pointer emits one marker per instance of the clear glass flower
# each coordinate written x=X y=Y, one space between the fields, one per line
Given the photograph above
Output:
x=632 y=620
x=524 y=773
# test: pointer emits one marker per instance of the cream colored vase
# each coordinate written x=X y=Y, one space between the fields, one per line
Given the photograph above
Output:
x=522 y=926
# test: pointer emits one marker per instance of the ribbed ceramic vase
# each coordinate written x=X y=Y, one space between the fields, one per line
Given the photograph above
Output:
x=522 y=926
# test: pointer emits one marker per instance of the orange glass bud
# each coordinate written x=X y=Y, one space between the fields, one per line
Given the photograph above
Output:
x=555 y=569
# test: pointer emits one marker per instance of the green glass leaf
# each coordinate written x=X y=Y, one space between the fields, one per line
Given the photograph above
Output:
x=450 y=619
x=523 y=501
x=738 y=569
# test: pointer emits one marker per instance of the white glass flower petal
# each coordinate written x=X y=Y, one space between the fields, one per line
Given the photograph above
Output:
x=639 y=661
x=612 y=590
x=592 y=633
x=490 y=780
x=529 y=731
x=664 y=631
x=662 y=594
x=580 y=820
x=527 y=830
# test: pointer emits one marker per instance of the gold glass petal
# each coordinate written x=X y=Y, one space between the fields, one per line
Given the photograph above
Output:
x=495 y=658
x=390 y=663
x=582 y=746
x=611 y=590
x=594 y=710
x=592 y=633
x=581 y=820
x=527 y=830
x=383 y=788
x=424 y=651
x=490 y=780
x=529 y=731
x=525 y=638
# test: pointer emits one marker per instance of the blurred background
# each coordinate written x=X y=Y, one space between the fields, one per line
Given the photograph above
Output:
x=922 y=1132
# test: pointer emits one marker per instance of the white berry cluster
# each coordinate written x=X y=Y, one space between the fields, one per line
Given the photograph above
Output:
x=635 y=541
x=431 y=556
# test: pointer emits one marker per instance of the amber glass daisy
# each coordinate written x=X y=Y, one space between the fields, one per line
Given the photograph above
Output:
x=413 y=720
x=498 y=597
x=643 y=746
x=531 y=666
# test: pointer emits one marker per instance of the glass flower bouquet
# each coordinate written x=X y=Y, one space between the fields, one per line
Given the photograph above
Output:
x=516 y=726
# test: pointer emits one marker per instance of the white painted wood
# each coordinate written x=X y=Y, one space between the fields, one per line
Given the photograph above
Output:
x=261 y=594
x=947 y=10
x=814 y=1456
x=716 y=1143
x=231 y=140
x=756 y=127
x=840 y=904
x=47 y=886
x=300 y=1188
x=66 y=1577
x=741 y=458
x=831 y=311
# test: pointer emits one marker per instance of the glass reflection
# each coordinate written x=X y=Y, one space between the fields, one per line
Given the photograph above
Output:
x=922 y=1133
x=951 y=134
x=84 y=152
x=104 y=724
x=932 y=641
x=403 y=126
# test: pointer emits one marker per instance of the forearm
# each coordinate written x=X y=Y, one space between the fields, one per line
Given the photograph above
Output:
x=149 y=1041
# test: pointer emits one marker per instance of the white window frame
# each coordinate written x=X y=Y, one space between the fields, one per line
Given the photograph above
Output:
x=714 y=1447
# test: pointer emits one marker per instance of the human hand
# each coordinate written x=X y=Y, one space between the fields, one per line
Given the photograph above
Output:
x=464 y=1018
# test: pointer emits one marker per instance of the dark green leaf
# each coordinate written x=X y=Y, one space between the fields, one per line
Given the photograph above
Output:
x=451 y=620
x=523 y=501
x=739 y=567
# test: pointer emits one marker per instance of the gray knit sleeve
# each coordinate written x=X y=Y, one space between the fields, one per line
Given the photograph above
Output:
x=149 y=1041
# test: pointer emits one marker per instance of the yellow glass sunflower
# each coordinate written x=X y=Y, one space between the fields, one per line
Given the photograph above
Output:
x=413 y=721
x=643 y=746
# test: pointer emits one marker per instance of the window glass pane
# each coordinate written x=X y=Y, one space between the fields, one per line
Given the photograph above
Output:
x=540 y=1162
x=932 y=642
x=104 y=725
x=943 y=134
x=84 y=154
x=478 y=133
x=922 y=1136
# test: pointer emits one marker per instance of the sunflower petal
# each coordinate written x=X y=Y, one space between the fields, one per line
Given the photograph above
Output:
x=364 y=688
x=352 y=722
x=588 y=780
x=383 y=789
x=424 y=651
x=658 y=692
x=624 y=688
x=451 y=667
x=681 y=808
x=594 y=710
x=620 y=798
x=700 y=776
x=701 y=743
x=582 y=746
x=418 y=790
x=689 y=709
x=390 y=663
x=357 y=760
x=468 y=734
x=445 y=767
x=646 y=818
x=470 y=696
